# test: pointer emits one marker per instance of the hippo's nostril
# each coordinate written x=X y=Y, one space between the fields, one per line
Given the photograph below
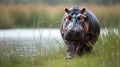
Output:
x=71 y=31
x=77 y=30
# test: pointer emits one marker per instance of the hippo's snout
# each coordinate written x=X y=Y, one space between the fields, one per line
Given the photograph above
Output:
x=73 y=35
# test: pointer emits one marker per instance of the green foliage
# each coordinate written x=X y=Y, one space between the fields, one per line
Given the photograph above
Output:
x=5 y=20
x=108 y=50
x=56 y=2
x=106 y=53
x=109 y=19
x=29 y=16
x=19 y=18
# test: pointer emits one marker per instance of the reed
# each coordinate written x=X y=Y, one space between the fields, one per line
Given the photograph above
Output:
x=106 y=53
x=43 y=15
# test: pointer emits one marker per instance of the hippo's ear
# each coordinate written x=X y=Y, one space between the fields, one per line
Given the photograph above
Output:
x=83 y=10
x=67 y=10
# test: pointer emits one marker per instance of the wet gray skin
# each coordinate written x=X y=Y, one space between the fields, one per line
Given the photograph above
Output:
x=80 y=30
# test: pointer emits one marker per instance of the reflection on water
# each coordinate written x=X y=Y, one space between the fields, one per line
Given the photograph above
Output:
x=29 y=42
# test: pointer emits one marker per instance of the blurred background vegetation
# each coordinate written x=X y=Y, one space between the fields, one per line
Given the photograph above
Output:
x=48 y=13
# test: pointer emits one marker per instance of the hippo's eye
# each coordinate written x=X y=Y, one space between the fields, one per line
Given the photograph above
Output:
x=68 y=17
x=82 y=17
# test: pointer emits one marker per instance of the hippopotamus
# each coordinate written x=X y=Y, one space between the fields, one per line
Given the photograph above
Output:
x=79 y=29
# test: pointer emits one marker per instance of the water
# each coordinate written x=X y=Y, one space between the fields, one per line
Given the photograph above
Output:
x=30 y=42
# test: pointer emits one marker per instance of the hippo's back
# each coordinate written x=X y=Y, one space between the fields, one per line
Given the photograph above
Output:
x=94 y=26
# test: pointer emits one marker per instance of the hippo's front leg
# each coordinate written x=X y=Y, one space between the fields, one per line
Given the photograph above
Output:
x=79 y=49
x=70 y=49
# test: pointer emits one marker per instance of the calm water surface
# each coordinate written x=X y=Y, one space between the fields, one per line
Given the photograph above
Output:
x=30 y=42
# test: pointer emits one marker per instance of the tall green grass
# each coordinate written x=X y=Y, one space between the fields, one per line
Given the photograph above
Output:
x=43 y=15
x=106 y=53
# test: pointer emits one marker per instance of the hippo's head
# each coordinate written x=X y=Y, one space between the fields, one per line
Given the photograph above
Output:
x=75 y=24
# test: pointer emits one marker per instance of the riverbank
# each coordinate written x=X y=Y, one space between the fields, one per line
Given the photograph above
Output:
x=47 y=16
x=106 y=53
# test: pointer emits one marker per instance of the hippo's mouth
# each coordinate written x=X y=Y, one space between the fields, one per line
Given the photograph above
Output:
x=72 y=37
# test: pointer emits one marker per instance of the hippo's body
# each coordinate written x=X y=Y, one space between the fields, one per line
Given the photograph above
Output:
x=80 y=30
